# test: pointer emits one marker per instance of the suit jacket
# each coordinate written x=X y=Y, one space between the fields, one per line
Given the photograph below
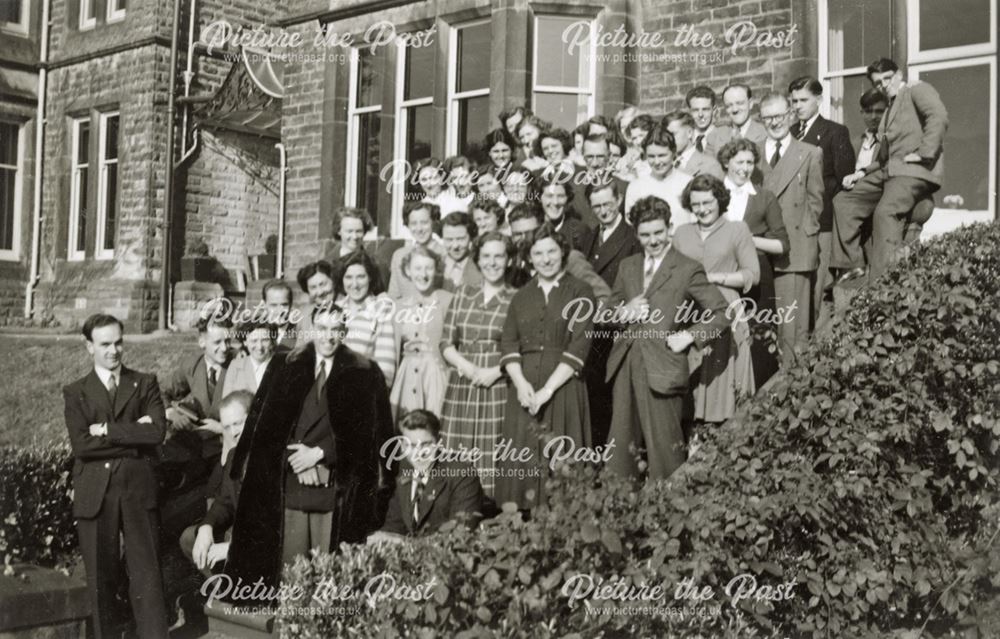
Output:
x=470 y=276
x=188 y=385
x=721 y=135
x=453 y=492
x=361 y=421
x=678 y=279
x=239 y=376
x=312 y=428
x=606 y=257
x=581 y=204
x=763 y=216
x=574 y=230
x=797 y=181
x=129 y=447
x=220 y=515
x=838 y=160
x=916 y=122
x=703 y=164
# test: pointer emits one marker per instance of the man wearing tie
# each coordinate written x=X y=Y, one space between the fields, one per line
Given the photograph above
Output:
x=311 y=451
x=115 y=420
x=701 y=103
x=648 y=364
x=793 y=171
x=605 y=247
x=838 y=162
x=908 y=169
x=738 y=100
x=457 y=233
x=680 y=124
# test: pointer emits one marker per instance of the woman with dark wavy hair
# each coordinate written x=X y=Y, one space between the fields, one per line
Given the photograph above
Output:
x=760 y=209
x=543 y=353
x=726 y=249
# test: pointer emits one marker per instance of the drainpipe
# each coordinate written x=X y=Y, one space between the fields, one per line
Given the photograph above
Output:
x=168 y=182
x=36 y=226
x=188 y=77
x=282 y=168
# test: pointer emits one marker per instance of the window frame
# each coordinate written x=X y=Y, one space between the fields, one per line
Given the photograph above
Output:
x=73 y=236
x=397 y=228
x=826 y=75
x=114 y=15
x=19 y=28
x=915 y=55
x=13 y=254
x=354 y=114
x=100 y=252
x=455 y=97
x=85 y=7
x=914 y=70
x=550 y=89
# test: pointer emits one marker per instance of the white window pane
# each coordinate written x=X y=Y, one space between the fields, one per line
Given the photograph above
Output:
x=954 y=23
x=561 y=109
x=859 y=32
x=559 y=63
x=965 y=92
x=473 y=57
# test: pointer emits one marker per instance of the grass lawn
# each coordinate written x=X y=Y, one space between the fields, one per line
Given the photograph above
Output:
x=31 y=403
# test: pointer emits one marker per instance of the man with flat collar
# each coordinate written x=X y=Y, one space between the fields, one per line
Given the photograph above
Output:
x=681 y=125
x=838 y=162
x=116 y=420
x=908 y=169
x=793 y=171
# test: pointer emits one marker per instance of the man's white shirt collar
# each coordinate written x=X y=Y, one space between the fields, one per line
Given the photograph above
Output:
x=804 y=128
x=105 y=374
x=606 y=233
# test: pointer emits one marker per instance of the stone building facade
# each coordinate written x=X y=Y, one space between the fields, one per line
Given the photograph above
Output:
x=348 y=109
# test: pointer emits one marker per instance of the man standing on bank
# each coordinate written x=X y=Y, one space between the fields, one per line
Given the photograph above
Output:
x=115 y=419
x=908 y=168
x=311 y=446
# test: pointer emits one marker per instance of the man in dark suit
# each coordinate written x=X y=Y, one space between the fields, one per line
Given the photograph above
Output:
x=793 y=171
x=596 y=154
x=115 y=420
x=605 y=247
x=311 y=453
x=838 y=162
x=907 y=169
x=429 y=491
x=648 y=363
x=457 y=233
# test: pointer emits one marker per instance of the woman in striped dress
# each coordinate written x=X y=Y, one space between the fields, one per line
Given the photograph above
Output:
x=369 y=314
x=419 y=319
x=477 y=388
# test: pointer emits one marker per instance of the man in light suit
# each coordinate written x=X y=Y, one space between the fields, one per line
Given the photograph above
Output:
x=648 y=364
x=457 y=233
x=680 y=124
x=115 y=420
x=793 y=171
x=907 y=169
x=738 y=100
x=838 y=162
x=700 y=103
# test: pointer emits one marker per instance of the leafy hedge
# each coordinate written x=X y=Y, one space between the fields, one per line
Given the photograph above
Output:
x=867 y=474
x=36 y=505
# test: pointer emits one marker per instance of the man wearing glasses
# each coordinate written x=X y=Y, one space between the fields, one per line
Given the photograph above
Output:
x=793 y=171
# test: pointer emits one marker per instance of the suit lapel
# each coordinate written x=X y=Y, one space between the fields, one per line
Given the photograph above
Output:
x=431 y=492
x=894 y=109
x=610 y=249
x=127 y=387
x=199 y=385
x=98 y=392
x=662 y=274
x=786 y=169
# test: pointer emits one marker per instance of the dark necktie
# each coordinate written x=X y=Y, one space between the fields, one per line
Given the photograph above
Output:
x=212 y=381
x=777 y=154
x=321 y=380
x=112 y=390
x=417 y=497
x=700 y=144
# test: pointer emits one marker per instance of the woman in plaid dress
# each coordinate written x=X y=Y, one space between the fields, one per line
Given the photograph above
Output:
x=477 y=388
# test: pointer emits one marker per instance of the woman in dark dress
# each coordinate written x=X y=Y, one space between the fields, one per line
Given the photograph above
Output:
x=760 y=209
x=543 y=355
